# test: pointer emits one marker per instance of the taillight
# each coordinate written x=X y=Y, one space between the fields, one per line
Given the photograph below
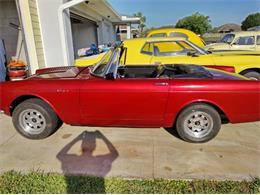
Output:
x=224 y=68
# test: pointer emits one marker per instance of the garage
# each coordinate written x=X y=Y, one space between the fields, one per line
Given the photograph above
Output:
x=84 y=32
x=8 y=20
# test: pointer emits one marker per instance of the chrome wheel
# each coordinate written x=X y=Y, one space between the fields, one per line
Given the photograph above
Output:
x=198 y=124
x=32 y=121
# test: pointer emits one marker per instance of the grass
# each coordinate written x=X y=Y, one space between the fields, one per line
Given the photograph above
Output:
x=36 y=182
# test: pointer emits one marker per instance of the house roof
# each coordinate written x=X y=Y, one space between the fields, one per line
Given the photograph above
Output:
x=228 y=27
x=105 y=10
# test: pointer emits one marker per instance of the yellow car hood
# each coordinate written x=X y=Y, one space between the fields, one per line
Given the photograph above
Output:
x=89 y=61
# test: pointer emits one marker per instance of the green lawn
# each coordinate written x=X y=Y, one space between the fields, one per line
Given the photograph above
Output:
x=35 y=182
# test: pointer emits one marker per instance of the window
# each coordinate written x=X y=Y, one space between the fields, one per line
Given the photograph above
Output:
x=147 y=49
x=177 y=34
x=186 y=45
x=159 y=35
x=258 y=40
x=172 y=48
x=249 y=40
x=228 y=38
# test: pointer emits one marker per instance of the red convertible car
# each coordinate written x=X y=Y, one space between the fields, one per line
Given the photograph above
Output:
x=189 y=98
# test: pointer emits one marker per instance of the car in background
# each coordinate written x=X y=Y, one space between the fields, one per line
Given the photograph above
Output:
x=182 y=51
x=190 y=98
x=177 y=32
x=179 y=50
x=245 y=40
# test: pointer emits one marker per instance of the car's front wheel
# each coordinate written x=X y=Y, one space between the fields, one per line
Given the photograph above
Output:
x=198 y=123
x=35 y=119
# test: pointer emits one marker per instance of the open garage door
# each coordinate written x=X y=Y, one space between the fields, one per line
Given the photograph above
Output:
x=9 y=35
x=84 y=32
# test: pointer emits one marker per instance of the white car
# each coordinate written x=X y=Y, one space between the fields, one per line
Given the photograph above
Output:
x=244 y=40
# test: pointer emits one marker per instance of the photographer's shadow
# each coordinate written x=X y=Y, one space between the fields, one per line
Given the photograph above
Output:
x=84 y=162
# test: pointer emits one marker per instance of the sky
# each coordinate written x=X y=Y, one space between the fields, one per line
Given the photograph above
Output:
x=168 y=12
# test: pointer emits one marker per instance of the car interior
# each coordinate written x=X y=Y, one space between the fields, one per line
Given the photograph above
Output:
x=163 y=71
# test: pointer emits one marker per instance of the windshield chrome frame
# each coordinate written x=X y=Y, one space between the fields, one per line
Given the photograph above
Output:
x=116 y=53
x=109 y=64
x=103 y=74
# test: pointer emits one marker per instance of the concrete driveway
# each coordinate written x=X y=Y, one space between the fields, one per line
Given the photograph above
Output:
x=134 y=153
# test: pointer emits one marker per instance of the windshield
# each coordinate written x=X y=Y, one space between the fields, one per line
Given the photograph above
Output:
x=109 y=63
x=228 y=38
x=100 y=68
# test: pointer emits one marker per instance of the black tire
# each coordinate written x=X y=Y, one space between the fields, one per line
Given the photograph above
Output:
x=207 y=115
x=253 y=75
x=51 y=120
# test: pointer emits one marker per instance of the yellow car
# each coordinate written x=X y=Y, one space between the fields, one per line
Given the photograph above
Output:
x=177 y=32
x=145 y=51
x=181 y=51
x=245 y=40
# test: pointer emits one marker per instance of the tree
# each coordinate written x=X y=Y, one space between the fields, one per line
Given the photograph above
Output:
x=142 y=21
x=251 y=21
x=214 y=30
x=197 y=23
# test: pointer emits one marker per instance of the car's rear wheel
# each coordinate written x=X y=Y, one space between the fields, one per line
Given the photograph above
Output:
x=35 y=119
x=198 y=123
x=252 y=75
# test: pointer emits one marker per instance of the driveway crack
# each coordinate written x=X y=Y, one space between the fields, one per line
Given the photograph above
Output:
x=5 y=142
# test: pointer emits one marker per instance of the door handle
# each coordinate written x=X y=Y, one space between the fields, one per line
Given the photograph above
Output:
x=161 y=84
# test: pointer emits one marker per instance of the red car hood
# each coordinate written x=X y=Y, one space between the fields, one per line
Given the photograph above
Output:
x=59 y=72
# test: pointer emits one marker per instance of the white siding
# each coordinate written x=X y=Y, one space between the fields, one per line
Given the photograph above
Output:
x=37 y=33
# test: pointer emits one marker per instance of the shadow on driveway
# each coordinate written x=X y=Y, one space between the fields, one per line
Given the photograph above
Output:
x=84 y=162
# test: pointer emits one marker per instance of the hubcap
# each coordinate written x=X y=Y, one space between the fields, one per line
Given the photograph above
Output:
x=198 y=124
x=32 y=121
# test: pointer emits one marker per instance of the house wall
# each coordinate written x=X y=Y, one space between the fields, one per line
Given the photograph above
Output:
x=48 y=14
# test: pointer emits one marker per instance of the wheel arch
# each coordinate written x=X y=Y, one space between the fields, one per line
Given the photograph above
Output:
x=22 y=98
x=224 y=117
x=249 y=70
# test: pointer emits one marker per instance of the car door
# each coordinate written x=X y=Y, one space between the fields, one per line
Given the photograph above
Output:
x=124 y=102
